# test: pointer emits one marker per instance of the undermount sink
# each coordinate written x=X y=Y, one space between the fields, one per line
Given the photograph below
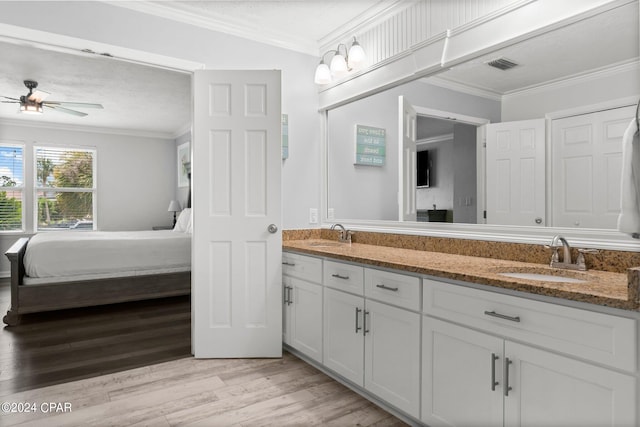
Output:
x=543 y=277
x=543 y=274
x=325 y=244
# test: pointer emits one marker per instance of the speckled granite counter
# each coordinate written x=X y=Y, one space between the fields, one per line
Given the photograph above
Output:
x=599 y=287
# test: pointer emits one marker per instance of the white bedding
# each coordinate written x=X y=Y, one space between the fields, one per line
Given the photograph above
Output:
x=74 y=253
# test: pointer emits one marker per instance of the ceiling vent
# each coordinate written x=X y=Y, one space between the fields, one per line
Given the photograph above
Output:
x=502 y=64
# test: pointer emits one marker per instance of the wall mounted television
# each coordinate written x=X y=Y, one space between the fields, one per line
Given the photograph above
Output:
x=423 y=166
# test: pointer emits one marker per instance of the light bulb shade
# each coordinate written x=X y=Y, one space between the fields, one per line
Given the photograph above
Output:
x=357 y=57
x=31 y=107
x=174 y=206
x=338 y=66
x=323 y=74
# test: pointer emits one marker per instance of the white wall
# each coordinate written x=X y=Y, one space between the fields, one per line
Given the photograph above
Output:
x=112 y=25
x=135 y=176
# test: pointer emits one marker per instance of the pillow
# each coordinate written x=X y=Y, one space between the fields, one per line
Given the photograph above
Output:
x=184 y=221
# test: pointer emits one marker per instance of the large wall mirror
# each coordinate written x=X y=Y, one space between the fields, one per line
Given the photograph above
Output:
x=580 y=83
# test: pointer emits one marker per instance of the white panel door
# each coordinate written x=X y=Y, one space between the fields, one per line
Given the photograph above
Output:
x=587 y=163
x=407 y=124
x=516 y=173
x=461 y=376
x=236 y=270
x=551 y=390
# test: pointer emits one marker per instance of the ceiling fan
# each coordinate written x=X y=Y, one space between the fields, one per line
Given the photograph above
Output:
x=34 y=101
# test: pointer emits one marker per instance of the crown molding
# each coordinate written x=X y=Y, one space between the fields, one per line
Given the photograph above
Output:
x=238 y=29
x=434 y=139
x=462 y=87
x=90 y=129
x=584 y=77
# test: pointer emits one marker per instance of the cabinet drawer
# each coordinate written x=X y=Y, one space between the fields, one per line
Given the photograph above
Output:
x=302 y=266
x=346 y=277
x=598 y=337
x=392 y=288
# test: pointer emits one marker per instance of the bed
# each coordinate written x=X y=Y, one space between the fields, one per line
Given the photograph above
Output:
x=70 y=269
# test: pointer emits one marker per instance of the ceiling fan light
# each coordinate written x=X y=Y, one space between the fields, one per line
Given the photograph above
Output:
x=338 y=66
x=357 y=57
x=323 y=74
x=30 y=108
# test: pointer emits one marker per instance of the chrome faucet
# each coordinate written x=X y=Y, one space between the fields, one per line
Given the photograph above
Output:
x=345 y=235
x=566 y=255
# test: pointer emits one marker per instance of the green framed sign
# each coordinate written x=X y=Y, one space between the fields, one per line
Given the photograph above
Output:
x=370 y=146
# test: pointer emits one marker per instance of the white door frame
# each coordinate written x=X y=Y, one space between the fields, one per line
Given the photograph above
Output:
x=480 y=123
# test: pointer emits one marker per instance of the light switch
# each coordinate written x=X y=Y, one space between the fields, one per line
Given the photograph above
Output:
x=313 y=216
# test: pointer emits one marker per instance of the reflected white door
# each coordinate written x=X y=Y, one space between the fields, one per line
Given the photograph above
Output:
x=407 y=124
x=516 y=173
x=236 y=270
x=587 y=160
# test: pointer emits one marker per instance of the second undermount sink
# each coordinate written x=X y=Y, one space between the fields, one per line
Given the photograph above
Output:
x=543 y=277
x=543 y=274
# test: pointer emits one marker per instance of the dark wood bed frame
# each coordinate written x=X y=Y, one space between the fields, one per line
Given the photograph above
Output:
x=60 y=295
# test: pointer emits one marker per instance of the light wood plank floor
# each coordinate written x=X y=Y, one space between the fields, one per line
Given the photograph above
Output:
x=151 y=379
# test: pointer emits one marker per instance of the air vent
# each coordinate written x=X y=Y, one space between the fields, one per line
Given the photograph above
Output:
x=502 y=63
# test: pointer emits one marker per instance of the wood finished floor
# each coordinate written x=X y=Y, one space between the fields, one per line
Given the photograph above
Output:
x=130 y=364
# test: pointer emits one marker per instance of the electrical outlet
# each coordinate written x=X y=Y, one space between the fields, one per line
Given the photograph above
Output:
x=331 y=214
x=313 y=216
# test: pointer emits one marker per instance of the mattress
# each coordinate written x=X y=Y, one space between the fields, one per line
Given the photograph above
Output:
x=78 y=253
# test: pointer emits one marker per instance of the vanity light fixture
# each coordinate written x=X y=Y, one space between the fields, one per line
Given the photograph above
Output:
x=341 y=64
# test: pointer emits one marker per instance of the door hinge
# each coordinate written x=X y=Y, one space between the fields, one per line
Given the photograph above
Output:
x=484 y=214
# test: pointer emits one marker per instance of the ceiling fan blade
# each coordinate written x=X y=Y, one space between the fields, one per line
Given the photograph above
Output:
x=38 y=95
x=8 y=97
x=73 y=104
x=65 y=110
x=10 y=102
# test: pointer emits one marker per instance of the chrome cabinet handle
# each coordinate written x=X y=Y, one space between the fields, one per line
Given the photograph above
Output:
x=387 y=288
x=364 y=319
x=507 y=387
x=290 y=292
x=357 y=312
x=494 y=383
x=337 y=276
x=502 y=316
x=290 y=264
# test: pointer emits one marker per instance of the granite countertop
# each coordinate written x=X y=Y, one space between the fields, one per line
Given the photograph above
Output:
x=617 y=290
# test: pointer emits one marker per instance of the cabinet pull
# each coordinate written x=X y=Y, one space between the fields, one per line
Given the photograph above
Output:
x=337 y=276
x=290 y=264
x=364 y=319
x=507 y=387
x=387 y=288
x=494 y=383
x=502 y=316
x=290 y=292
x=357 y=312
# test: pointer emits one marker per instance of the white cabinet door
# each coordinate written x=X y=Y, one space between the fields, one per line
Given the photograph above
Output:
x=305 y=311
x=548 y=389
x=461 y=376
x=343 y=345
x=516 y=173
x=392 y=355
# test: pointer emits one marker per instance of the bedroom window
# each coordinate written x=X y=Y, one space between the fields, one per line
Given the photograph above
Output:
x=11 y=187
x=65 y=188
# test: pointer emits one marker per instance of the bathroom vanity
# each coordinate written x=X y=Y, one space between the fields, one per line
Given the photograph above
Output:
x=445 y=339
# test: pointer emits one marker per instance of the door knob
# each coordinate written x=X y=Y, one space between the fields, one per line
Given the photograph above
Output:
x=272 y=228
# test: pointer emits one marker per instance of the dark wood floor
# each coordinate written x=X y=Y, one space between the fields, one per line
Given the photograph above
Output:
x=58 y=347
